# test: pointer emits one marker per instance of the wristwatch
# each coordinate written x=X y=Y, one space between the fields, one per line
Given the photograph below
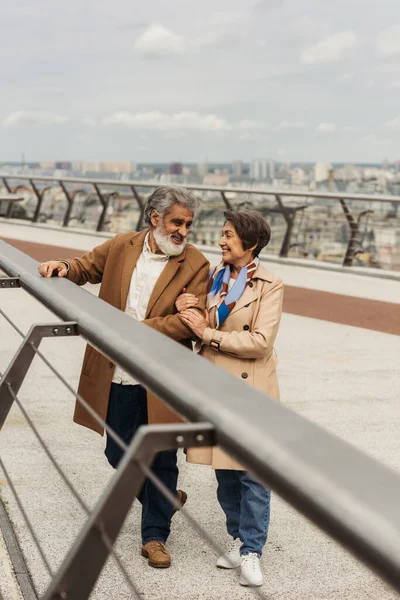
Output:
x=215 y=344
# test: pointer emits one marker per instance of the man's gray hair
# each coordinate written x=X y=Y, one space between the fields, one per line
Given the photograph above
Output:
x=164 y=197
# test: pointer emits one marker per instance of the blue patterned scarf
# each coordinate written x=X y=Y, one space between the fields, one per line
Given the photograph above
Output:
x=219 y=294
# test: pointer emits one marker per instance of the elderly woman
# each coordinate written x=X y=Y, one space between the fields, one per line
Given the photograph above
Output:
x=244 y=310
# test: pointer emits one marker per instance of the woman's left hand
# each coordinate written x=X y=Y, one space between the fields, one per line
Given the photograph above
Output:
x=195 y=320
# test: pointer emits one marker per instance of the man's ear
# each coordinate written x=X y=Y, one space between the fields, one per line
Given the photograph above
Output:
x=155 y=218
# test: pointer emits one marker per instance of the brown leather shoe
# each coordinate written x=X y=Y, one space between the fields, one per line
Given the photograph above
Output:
x=158 y=555
x=181 y=497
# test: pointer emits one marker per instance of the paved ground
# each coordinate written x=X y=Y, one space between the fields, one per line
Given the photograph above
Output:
x=343 y=377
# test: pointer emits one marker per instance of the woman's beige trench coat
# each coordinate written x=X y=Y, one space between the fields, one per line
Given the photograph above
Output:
x=246 y=348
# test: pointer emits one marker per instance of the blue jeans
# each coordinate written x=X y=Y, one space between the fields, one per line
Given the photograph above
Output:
x=246 y=504
x=127 y=411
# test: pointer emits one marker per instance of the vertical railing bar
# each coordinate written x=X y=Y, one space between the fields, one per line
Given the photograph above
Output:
x=69 y=200
x=284 y=251
x=141 y=207
x=39 y=197
x=7 y=185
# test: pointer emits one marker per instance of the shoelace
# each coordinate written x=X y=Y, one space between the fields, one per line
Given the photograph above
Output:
x=234 y=546
x=251 y=560
x=160 y=546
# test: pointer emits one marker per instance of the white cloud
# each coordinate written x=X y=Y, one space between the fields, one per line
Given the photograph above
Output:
x=27 y=117
x=330 y=49
x=157 y=120
x=393 y=123
x=158 y=41
x=388 y=43
x=372 y=139
x=326 y=127
x=343 y=77
x=89 y=121
x=290 y=125
x=193 y=121
x=249 y=125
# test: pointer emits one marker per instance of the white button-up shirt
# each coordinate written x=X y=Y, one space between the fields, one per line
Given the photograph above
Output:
x=144 y=277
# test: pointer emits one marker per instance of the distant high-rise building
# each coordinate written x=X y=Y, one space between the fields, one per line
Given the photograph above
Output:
x=64 y=165
x=124 y=166
x=321 y=172
x=237 y=168
x=87 y=167
x=385 y=164
x=175 y=168
x=259 y=169
x=271 y=170
x=202 y=169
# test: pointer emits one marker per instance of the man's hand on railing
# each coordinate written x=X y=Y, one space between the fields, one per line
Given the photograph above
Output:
x=53 y=267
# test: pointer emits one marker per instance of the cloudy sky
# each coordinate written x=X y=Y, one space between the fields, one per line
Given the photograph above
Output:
x=190 y=80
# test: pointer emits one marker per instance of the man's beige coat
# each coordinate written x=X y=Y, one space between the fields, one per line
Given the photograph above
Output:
x=246 y=350
x=112 y=264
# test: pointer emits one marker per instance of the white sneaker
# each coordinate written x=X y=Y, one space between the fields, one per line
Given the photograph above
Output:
x=250 y=572
x=231 y=559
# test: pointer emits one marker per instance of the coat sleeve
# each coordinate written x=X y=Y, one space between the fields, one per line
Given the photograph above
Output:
x=172 y=325
x=90 y=266
x=260 y=341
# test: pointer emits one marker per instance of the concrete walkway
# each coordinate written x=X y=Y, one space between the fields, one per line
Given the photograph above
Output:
x=343 y=377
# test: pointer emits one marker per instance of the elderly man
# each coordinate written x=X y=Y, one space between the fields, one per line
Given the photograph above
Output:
x=142 y=274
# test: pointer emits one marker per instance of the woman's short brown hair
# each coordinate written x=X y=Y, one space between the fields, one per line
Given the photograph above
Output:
x=251 y=228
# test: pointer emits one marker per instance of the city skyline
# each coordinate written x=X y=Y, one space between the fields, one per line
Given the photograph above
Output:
x=296 y=81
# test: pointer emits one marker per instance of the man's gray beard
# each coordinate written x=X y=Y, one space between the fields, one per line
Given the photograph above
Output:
x=165 y=244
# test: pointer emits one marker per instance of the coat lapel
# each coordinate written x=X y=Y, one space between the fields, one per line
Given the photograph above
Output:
x=132 y=253
x=248 y=296
x=166 y=276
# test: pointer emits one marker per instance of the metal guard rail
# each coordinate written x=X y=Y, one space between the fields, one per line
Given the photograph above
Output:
x=288 y=212
x=349 y=495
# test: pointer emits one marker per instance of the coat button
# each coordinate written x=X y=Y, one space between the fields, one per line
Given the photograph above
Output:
x=244 y=375
x=246 y=327
x=251 y=284
x=111 y=365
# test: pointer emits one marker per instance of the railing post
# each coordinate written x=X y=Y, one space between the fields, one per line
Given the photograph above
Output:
x=284 y=251
x=40 y=196
x=226 y=201
x=104 y=201
x=67 y=215
x=139 y=200
x=354 y=238
x=9 y=190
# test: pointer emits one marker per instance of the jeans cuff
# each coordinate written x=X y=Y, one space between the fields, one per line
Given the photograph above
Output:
x=153 y=539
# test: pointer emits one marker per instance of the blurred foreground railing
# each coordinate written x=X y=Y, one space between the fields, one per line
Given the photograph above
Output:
x=349 y=495
x=339 y=229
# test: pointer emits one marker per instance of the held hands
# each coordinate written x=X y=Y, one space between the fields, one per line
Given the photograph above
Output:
x=195 y=320
x=46 y=269
x=185 y=301
x=192 y=318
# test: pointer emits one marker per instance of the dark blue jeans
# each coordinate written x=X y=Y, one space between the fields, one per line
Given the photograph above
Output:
x=246 y=504
x=127 y=411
